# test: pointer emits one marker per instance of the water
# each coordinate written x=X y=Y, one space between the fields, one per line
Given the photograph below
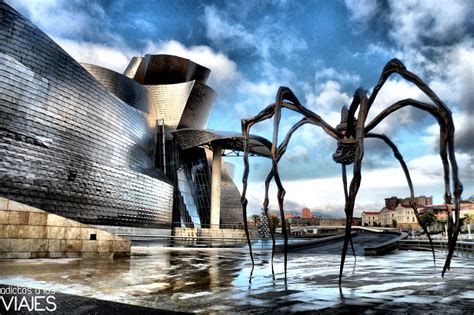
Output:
x=217 y=280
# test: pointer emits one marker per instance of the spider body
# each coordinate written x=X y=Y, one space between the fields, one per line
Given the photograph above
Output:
x=347 y=145
x=350 y=135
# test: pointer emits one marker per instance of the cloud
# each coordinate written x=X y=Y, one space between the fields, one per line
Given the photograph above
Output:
x=328 y=97
x=223 y=70
x=226 y=28
x=361 y=9
x=114 y=58
x=299 y=153
x=463 y=136
x=332 y=74
x=73 y=19
x=326 y=194
x=418 y=22
x=393 y=91
x=225 y=33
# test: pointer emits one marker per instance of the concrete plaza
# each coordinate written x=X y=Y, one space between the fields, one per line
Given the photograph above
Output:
x=217 y=280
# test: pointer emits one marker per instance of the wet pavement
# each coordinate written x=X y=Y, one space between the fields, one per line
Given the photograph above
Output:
x=359 y=240
x=217 y=280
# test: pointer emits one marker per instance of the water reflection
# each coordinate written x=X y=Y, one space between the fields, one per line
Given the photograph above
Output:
x=217 y=280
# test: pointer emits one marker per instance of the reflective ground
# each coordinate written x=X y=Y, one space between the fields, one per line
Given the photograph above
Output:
x=217 y=280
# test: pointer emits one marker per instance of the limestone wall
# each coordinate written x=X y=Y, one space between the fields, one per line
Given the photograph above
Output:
x=27 y=232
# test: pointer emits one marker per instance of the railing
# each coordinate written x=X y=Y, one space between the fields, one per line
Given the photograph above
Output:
x=233 y=226
x=180 y=241
x=197 y=235
x=465 y=249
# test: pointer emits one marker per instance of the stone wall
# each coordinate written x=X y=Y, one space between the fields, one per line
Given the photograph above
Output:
x=27 y=232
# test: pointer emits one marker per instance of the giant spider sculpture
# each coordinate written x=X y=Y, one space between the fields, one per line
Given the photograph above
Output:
x=350 y=135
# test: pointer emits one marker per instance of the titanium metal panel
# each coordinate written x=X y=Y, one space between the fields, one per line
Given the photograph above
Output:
x=69 y=146
x=183 y=105
x=170 y=101
x=133 y=67
x=190 y=138
x=231 y=207
x=198 y=107
x=128 y=90
x=168 y=69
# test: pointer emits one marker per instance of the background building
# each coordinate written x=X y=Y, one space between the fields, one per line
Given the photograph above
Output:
x=306 y=213
x=397 y=213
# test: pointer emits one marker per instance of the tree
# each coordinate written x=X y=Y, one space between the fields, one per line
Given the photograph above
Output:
x=255 y=218
x=428 y=219
x=443 y=223
x=275 y=222
x=467 y=219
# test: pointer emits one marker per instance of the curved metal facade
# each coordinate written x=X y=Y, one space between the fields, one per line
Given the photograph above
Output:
x=177 y=87
x=167 y=69
x=96 y=146
x=67 y=145
x=231 y=207
x=190 y=137
x=128 y=90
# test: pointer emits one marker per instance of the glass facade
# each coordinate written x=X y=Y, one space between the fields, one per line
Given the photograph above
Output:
x=191 y=174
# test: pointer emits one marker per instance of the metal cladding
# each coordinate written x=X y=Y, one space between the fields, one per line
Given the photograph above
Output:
x=128 y=90
x=177 y=86
x=93 y=145
x=168 y=69
x=231 y=208
x=189 y=138
x=69 y=146
x=183 y=105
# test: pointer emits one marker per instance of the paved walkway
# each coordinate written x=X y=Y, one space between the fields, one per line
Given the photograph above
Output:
x=360 y=241
x=217 y=281
x=65 y=304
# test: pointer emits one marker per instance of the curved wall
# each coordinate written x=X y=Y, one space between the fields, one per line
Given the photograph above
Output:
x=198 y=108
x=67 y=145
x=169 y=69
x=128 y=90
x=231 y=207
x=170 y=101
x=183 y=105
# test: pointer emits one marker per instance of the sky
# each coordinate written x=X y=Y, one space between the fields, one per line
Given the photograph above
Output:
x=323 y=51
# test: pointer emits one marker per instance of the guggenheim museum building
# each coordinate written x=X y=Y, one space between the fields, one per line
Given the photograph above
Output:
x=104 y=148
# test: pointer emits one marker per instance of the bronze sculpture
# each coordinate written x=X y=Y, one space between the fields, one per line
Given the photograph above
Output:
x=350 y=135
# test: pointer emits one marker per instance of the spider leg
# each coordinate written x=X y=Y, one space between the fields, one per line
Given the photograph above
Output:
x=281 y=191
x=344 y=182
x=457 y=199
x=246 y=125
x=265 y=210
x=349 y=210
x=285 y=99
x=361 y=98
x=441 y=113
x=281 y=150
x=286 y=94
x=295 y=105
x=400 y=159
x=444 y=118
